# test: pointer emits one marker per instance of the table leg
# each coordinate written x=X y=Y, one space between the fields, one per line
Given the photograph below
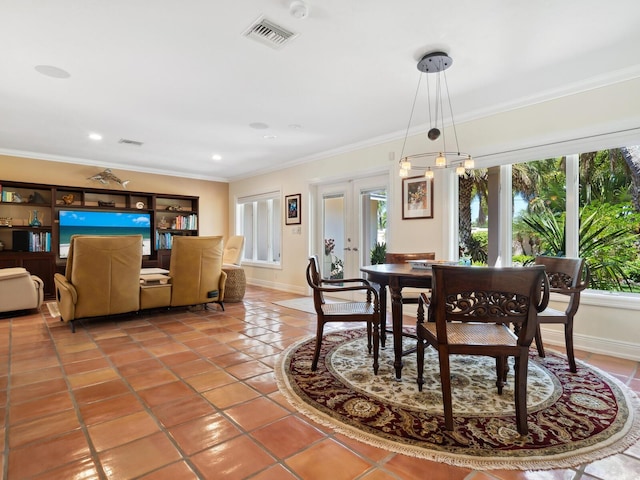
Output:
x=382 y=295
x=396 y=314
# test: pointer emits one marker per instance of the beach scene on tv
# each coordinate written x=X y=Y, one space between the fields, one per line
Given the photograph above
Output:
x=82 y=222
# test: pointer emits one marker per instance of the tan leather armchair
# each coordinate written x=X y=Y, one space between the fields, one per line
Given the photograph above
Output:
x=233 y=248
x=19 y=290
x=196 y=271
x=102 y=277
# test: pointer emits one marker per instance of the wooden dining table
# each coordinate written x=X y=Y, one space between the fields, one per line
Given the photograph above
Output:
x=396 y=276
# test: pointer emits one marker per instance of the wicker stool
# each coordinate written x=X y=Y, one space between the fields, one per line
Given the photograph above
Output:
x=236 y=283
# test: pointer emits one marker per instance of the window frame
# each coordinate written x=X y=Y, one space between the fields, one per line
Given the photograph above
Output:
x=568 y=149
x=274 y=228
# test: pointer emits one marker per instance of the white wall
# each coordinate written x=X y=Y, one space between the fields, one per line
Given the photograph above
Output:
x=582 y=121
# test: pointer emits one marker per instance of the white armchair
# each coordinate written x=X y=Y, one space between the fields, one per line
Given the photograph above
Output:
x=19 y=290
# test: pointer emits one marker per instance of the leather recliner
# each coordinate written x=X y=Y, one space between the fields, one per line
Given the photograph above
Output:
x=102 y=277
x=196 y=271
x=19 y=290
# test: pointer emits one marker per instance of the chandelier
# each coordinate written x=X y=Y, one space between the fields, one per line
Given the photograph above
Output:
x=435 y=63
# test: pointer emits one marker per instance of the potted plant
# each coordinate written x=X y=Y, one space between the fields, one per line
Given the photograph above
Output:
x=378 y=253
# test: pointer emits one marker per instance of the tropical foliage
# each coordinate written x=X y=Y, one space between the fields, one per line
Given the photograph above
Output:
x=606 y=241
x=609 y=203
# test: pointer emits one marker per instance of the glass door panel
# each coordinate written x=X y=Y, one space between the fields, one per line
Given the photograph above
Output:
x=353 y=220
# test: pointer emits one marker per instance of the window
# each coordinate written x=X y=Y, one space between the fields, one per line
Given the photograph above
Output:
x=258 y=218
x=582 y=205
x=585 y=204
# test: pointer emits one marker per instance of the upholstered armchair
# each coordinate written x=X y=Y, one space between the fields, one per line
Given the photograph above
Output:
x=19 y=290
x=233 y=248
x=102 y=277
x=196 y=271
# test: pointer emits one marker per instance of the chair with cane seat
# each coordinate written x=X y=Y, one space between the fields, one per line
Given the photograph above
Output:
x=470 y=311
x=567 y=276
x=367 y=311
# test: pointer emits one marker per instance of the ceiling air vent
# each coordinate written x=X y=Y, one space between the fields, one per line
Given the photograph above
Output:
x=268 y=33
x=130 y=142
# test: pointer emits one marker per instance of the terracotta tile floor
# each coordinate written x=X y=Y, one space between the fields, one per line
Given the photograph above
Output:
x=191 y=395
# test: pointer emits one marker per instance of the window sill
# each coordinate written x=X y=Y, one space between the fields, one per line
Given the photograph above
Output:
x=257 y=264
x=601 y=298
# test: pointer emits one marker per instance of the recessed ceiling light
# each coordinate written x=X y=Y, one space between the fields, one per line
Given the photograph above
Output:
x=259 y=125
x=95 y=136
x=51 y=71
x=216 y=157
x=269 y=137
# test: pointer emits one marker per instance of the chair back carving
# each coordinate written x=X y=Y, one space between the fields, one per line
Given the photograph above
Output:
x=488 y=294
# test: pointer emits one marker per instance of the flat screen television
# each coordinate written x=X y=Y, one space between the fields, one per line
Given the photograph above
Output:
x=87 y=222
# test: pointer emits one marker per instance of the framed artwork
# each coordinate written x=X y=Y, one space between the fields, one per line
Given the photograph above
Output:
x=417 y=197
x=292 y=204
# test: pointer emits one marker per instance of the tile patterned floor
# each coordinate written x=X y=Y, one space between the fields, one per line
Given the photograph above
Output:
x=191 y=395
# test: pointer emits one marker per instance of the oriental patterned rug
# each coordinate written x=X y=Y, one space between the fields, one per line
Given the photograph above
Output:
x=573 y=418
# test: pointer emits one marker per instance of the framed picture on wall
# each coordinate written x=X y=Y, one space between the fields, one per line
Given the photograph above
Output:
x=292 y=205
x=417 y=198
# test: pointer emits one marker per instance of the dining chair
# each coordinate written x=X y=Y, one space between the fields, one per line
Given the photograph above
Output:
x=347 y=311
x=410 y=295
x=567 y=276
x=470 y=311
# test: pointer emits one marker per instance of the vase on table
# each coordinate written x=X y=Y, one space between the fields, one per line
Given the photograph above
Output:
x=34 y=221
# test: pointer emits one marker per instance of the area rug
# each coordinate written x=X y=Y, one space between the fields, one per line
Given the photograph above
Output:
x=573 y=418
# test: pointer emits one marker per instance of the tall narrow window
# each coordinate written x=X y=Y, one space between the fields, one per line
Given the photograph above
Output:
x=259 y=220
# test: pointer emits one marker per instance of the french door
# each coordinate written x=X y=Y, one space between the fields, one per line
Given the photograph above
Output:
x=352 y=218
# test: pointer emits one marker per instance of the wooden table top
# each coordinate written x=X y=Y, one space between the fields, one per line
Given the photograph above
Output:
x=396 y=270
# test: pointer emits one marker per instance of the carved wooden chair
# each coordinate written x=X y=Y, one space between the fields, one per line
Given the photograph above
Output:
x=470 y=311
x=410 y=296
x=567 y=276
x=368 y=311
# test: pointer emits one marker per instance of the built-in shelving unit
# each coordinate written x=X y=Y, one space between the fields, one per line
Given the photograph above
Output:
x=35 y=244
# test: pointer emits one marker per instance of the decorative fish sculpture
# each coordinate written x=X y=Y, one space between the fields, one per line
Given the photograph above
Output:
x=105 y=177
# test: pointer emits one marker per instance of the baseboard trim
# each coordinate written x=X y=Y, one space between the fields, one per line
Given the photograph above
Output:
x=279 y=286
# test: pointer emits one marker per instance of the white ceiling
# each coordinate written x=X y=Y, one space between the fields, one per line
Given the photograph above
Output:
x=180 y=76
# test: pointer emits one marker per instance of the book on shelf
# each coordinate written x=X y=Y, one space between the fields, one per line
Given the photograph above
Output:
x=7 y=196
x=40 y=241
x=164 y=241
x=186 y=222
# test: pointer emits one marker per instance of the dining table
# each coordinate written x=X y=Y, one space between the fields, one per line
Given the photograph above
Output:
x=396 y=276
